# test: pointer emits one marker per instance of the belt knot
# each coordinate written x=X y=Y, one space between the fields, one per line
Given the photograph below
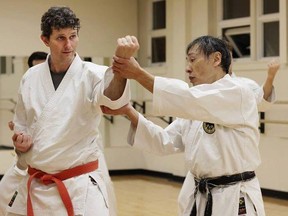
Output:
x=47 y=179
x=202 y=185
x=205 y=185
x=58 y=179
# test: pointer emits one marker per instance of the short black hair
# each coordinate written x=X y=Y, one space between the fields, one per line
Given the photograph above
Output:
x=58 y=18
x=38 y=55
x=208 y=45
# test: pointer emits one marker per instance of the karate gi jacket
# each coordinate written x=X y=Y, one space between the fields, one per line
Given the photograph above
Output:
x=216 y=128
x=64 y=125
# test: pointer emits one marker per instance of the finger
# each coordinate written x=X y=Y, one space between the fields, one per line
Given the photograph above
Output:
x=19 y=138
x=129 y=39
x=123 y=41
x=118 y=60
x=25 y=139
x=14 y=137
x=120 y=41
x=28 y=143
x=135 y=41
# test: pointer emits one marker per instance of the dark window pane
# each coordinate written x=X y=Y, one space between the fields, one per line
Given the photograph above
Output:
x=270 y=6
x=236 y=9
x=158 y=49
x=3 y=65
x=88 y=59
x=159 y=15
x=271 y=39
x=239 y=39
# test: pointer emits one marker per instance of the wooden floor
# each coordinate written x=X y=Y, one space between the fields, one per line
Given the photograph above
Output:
x=151 y=196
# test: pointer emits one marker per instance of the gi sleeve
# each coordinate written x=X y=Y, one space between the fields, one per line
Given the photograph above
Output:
x=154 y=139
x=264 y=105
x=224 y=102
x=116 y=104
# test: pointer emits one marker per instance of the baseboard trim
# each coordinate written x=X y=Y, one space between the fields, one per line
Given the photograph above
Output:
x=164 y=175
x=275 y=193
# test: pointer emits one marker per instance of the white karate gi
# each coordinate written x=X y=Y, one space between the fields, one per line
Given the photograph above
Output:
x=8 y=184
x=64 y=125
x=263 y=105
x=232 y=148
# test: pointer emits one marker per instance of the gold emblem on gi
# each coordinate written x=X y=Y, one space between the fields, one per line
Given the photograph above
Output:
x=209 y=127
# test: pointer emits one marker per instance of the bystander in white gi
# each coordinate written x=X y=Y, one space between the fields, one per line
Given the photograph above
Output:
x=265 y=94
x=216 y=126
x=14 y=175
x=57 y=118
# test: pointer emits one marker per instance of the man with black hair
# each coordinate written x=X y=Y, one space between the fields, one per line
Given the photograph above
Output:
x=14 y=175
x=216 y=128
x=36 y=58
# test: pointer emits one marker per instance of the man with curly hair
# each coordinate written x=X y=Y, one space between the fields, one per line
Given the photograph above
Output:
x=57 y=117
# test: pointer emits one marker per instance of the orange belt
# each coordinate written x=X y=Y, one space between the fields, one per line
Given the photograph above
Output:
x=57 y=179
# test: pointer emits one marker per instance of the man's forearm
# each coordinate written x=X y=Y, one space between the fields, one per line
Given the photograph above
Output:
x=267 y=87
x=146 y=80
x=116 y=87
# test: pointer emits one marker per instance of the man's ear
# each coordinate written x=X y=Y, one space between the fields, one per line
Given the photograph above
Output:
x=217 y=58
x=45 y=40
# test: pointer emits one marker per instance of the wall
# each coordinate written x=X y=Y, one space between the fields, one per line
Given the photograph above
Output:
x=104 y=21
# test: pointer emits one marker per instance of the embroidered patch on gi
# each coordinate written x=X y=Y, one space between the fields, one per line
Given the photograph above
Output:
x=209 y=127
x=242 y=206
x=13 y=199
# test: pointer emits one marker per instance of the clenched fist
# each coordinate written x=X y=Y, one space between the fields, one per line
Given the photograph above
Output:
x=22 y=142
x=126 y=46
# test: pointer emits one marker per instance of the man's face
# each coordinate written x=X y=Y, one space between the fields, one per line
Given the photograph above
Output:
x=200 y=69
x=62 y=44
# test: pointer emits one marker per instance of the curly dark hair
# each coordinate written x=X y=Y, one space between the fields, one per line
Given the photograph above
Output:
x=58 y=18
x=208 y=45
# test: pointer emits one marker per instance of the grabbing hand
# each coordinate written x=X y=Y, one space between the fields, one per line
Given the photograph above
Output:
x=126 y=68
x=22 y=142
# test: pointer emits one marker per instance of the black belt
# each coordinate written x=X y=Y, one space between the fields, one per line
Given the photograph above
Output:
x=207 y=184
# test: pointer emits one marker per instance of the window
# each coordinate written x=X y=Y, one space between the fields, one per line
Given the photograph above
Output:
x=239 y=38
x=271 y=39
x=159 y=15
x=270 y=6
x=158 y=32
x=236 y=9
x=158 y=49
x=251 y=21
x=268 y=21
